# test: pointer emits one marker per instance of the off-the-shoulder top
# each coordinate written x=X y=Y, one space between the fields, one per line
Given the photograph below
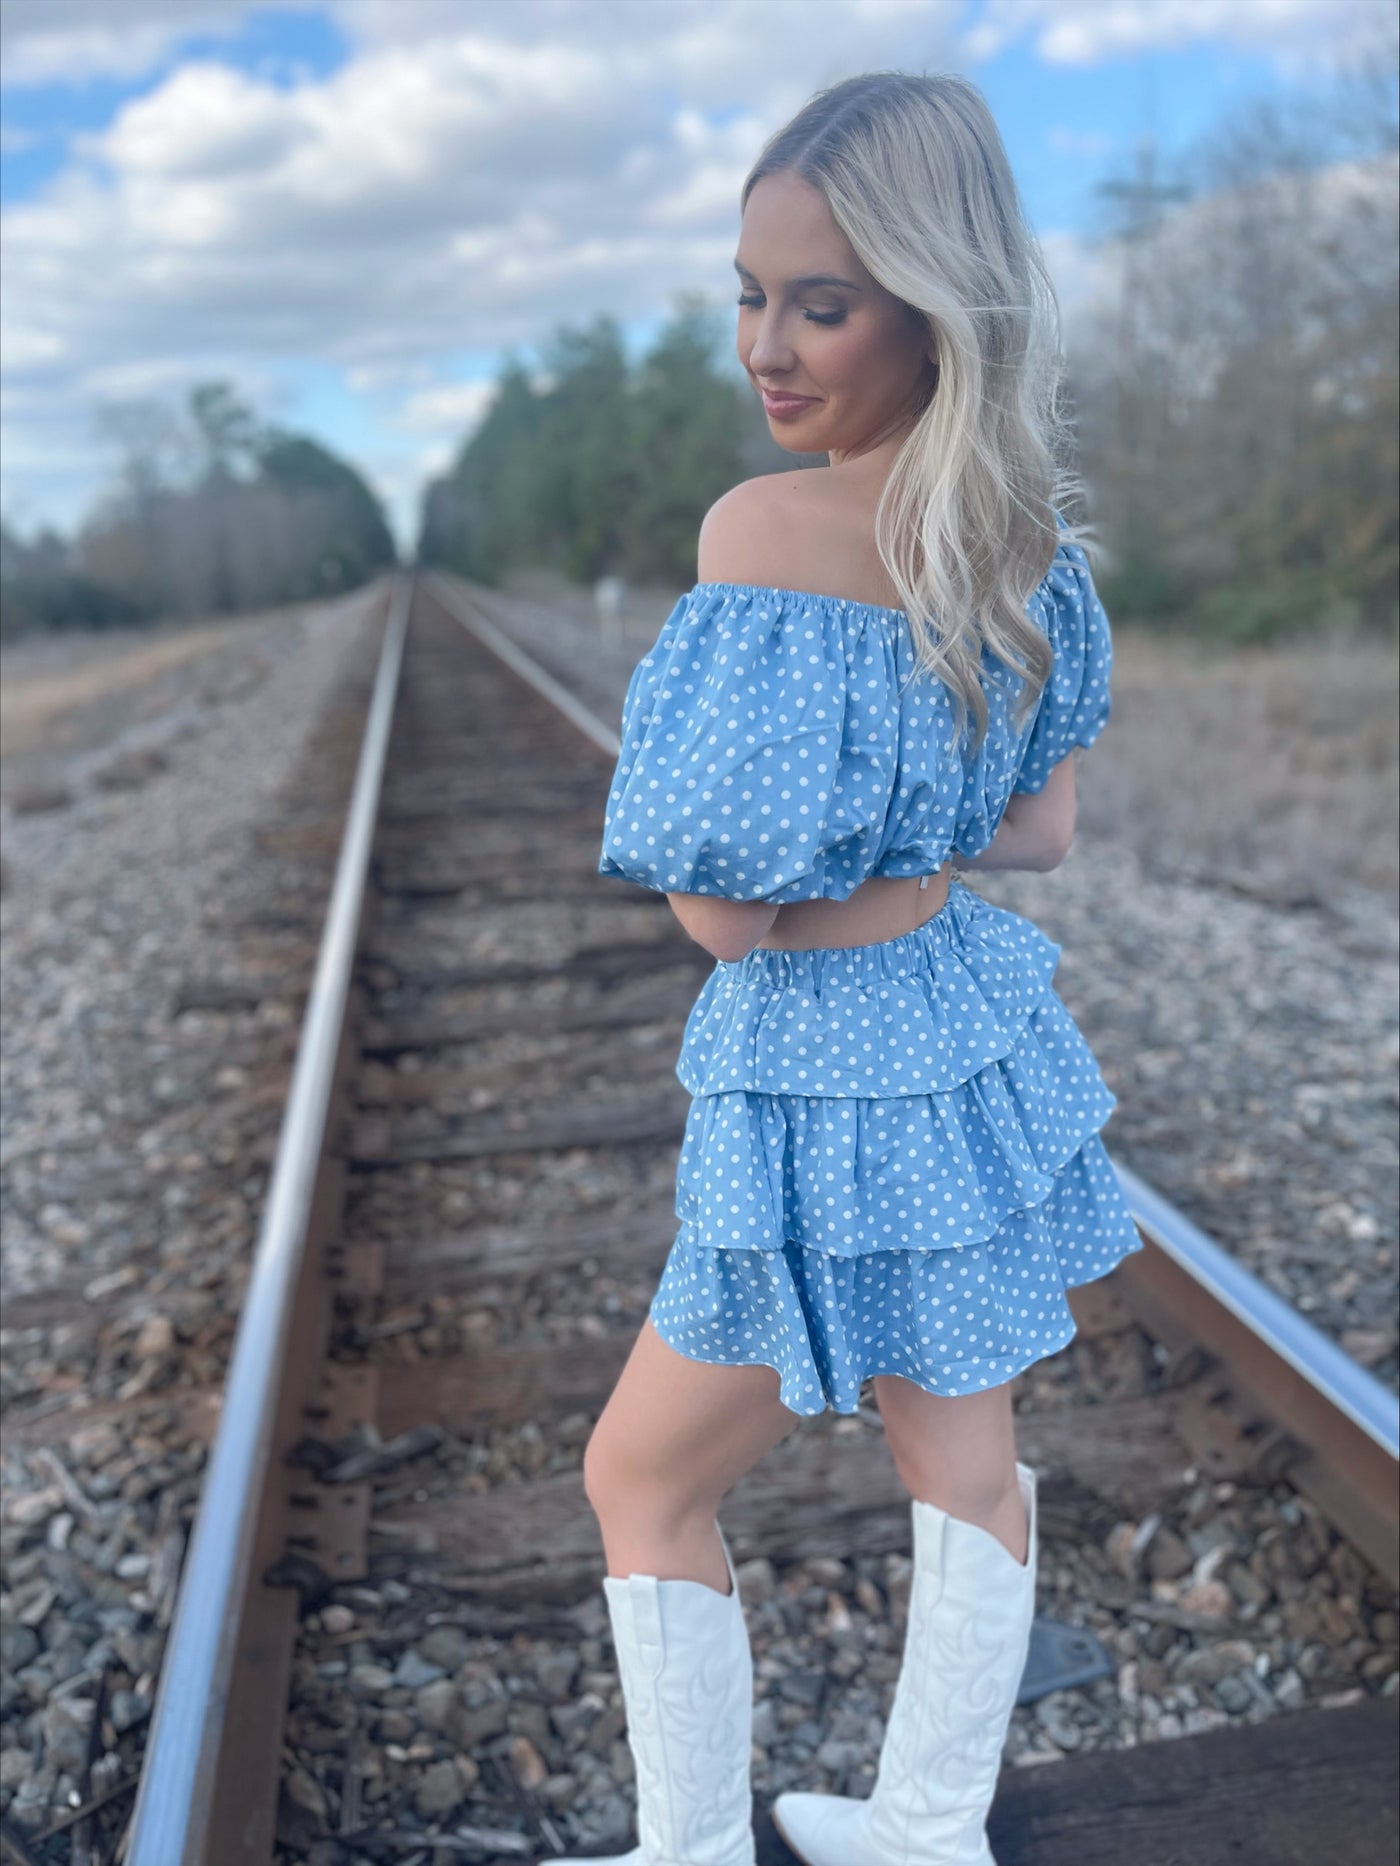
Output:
x=776 y=748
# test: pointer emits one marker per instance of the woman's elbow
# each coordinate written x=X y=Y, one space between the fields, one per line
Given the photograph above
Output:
x=727 y=930
x=1044 y=821
x=1052 y=842
x=730 y=951
x=1058 y=843
x=1049 y=858
x=733 y=941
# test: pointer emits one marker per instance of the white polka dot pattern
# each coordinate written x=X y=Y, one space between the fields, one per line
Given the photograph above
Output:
x=851 y=1174
x=892 y=1161
x=779 y=746
x=910 y=1015
x=951 y=1320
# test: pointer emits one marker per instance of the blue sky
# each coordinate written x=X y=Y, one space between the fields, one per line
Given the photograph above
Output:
x=42 y=119
x=351 y=209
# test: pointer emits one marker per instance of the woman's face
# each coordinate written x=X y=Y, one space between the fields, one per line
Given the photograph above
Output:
x=840 y=363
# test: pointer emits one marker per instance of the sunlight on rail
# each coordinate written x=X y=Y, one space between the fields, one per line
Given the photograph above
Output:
x=175 y=1799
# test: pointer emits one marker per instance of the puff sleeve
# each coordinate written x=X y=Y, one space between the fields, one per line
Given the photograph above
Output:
x=1074 y=703
x=757 y=751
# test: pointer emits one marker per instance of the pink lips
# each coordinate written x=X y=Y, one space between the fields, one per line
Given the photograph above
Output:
x=783 y=407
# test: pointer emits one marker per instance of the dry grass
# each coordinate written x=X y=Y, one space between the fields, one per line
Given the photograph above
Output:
x=44 y=679
x=1272 y=767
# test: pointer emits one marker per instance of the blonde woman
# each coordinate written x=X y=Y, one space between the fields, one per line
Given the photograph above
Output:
x=892 y=1167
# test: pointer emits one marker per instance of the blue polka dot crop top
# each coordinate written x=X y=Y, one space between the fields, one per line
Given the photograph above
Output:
x=775 y=748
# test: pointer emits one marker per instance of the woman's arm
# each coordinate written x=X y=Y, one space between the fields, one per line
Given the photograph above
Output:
x=736 y=532
x=728 y=929
x=1036 y=828
x=1035 y=832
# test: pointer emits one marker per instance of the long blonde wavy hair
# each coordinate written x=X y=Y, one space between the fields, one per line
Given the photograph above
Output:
x=916 y=177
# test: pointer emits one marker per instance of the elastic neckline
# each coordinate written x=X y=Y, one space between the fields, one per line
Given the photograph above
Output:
x=850 y=602
x=808 y=596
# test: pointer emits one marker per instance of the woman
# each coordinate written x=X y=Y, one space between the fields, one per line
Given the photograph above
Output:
x=892 y=1166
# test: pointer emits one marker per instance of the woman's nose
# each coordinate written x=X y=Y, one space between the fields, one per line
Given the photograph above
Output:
x=771 y=353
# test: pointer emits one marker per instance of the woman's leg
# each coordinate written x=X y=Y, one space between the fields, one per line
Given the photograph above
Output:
x=971 y=1612
x=675 y=1435
x=958 y=1451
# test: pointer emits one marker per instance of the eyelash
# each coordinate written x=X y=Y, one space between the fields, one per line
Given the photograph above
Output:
x=815 y=317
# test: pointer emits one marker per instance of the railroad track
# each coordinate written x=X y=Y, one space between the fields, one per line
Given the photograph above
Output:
x=388 y=1638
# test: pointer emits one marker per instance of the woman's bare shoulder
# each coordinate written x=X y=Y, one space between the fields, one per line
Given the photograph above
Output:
x=813 y=529
x=764 y=530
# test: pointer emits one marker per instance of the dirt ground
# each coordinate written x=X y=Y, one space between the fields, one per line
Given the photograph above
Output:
x=1270 y=769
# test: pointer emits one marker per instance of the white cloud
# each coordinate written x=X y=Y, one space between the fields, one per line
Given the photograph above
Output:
x=719 y=155
x=471 y=177
x=67 y=41
x=1089 y=32
x=714 y=41
x=371 y=378
x=1082 y=276
x=457 y=406
x=23 y=346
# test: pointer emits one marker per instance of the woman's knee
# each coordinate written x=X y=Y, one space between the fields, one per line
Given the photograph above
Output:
x=956 y=1451
x=620 y=1476
x=971 y=1491
x=677 y=1434
x=604 y=1470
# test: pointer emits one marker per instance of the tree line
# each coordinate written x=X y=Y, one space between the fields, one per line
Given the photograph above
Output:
x=592 y=465
x=213 y=512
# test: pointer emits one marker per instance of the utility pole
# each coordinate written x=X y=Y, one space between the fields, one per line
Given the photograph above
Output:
x=1139 y=200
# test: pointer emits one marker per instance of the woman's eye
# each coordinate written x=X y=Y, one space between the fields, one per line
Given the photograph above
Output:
x=751 y=301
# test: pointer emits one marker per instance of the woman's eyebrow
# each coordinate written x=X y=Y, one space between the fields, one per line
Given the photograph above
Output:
x=812 y=278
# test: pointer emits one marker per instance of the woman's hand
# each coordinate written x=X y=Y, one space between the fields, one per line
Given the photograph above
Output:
x=1036 y=828
x=728 y=929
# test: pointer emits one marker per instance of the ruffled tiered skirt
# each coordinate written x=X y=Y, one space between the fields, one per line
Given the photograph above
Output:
x=892 y=1162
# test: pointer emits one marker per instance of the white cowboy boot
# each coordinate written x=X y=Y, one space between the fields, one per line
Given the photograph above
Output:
x=687 y=1683
x=971 y=1604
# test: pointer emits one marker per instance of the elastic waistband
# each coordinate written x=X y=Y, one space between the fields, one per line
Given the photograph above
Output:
x=905 y=954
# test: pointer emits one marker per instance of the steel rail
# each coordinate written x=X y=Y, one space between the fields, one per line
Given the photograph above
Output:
x=171 y=1818
x=1348 y=1387
x=1343 y=1423
x=528 y=668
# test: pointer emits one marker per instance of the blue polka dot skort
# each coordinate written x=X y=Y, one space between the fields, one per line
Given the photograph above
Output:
x=892 y=1162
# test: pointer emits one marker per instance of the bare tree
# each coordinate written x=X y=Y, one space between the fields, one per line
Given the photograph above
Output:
x=1237 y=391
